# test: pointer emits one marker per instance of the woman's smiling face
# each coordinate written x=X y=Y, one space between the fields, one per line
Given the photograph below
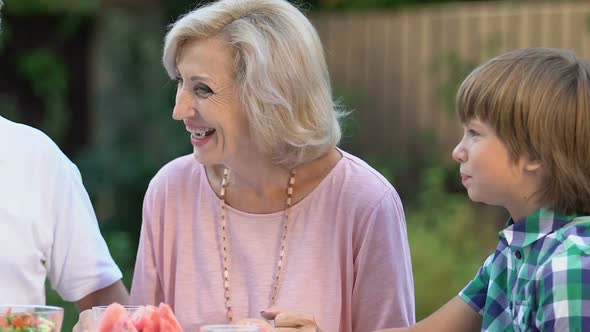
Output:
x=208 y=103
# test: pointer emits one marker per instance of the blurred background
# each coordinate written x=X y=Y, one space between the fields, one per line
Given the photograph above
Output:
x=88 y=73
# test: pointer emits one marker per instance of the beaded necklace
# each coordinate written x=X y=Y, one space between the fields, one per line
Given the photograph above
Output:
x=225 y=248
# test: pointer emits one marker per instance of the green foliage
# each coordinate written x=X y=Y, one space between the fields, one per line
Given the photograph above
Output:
x=123 y=250
x=8 y=108
x=174 y=8
x=440 y=225
x=5 y=34
x=134 y=134
x=456 y=68
x=46 y=73
x=32 y=7
x=70 y=311
x=349 y=123
x=391 y=169
x=369 y=4
x=42 y=67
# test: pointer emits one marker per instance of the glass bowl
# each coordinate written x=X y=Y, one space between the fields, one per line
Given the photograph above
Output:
x=30 y=318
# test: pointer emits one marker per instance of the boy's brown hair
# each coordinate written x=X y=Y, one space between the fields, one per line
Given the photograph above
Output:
x=538 y=102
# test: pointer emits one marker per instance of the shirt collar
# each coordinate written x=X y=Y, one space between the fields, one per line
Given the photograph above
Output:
x=535 y=226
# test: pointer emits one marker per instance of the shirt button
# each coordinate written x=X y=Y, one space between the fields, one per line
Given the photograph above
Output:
x=518 y=254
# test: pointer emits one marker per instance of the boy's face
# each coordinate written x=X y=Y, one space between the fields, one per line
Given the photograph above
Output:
x=489 y=173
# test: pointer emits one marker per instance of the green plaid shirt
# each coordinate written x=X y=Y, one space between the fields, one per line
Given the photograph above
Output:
x=539 y=277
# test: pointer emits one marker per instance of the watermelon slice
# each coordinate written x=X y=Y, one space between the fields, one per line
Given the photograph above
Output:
x=147 y=319
x=111 y=317
x=168 y=322
x=124 y=324
x=144 y=319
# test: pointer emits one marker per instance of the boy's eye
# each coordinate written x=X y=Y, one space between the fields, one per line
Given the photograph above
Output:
x=472 y=132
x=179 y=81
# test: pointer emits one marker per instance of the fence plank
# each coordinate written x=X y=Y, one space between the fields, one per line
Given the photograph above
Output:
x=394 y=64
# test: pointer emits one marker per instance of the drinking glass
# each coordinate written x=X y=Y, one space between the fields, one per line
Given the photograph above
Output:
x=98 y=311
x=230 y=328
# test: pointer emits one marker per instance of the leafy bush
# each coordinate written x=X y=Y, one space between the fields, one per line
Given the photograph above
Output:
x=441 y=228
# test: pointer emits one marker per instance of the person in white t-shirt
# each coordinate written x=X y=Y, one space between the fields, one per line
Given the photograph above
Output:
x=48 y=229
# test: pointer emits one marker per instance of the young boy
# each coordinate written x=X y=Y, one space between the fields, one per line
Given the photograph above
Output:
x=526 y=147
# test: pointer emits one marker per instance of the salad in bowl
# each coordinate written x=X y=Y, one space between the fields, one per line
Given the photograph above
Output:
x=30 y=318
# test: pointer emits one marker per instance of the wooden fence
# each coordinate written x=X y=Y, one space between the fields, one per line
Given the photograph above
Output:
x=400 y=69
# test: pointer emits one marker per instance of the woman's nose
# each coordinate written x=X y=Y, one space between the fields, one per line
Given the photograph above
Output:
x=183 y=107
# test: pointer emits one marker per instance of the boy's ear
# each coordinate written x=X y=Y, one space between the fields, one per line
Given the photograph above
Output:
x=532 y=165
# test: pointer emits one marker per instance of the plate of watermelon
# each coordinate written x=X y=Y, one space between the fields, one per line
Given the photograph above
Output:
x=149 y=318
x=30 y=318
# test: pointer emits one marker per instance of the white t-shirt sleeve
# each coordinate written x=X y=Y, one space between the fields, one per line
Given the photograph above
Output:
x=79 y=261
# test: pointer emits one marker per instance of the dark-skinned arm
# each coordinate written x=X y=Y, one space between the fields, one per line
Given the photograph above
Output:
x=116 y=292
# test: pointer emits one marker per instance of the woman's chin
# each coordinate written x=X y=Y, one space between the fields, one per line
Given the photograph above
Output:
x=203 y=158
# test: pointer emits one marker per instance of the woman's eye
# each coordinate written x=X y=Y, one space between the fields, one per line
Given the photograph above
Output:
x=472 y=132
x=179 y=81
x=203 y=91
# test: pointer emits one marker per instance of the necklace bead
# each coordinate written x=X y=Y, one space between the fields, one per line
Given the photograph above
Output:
x=225 y=245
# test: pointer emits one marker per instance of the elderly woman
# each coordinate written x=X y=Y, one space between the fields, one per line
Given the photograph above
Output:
x=267 y=212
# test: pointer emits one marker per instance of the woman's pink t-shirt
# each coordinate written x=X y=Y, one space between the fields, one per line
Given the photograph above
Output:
x=347 y=263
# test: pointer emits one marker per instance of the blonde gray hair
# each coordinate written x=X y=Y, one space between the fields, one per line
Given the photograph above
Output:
x=280 y=71
x=538 y=102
